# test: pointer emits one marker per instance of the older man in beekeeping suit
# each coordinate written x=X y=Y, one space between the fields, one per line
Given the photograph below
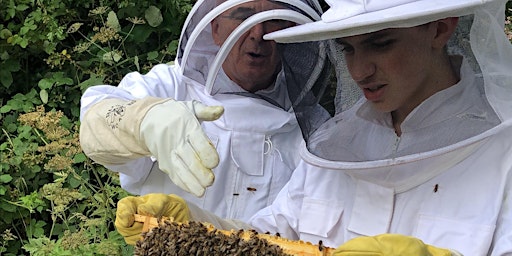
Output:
x=421 y=165
x=222 y=110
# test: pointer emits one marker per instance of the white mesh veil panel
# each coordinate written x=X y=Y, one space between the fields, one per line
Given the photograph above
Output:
x=347 y=91
x=493 y=52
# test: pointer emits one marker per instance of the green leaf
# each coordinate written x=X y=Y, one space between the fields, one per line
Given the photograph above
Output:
x=140 y=34
x=136 y=62
x=60 y=78
x=173 y=46
x=45 y=83
x=11 y=13
x=5 y=109
x=79 y=158
x=153 y=16
x=43 y=94
x=111 y=57
x=32 y=201
x=11 y=127
x=8 y=207
x=6 y=78
x=4 y=55
x=5 y=33
x=11 y=65
x=112 y=21
x=21 y=7
x=93 y=80
x=27 y=26
x=35 y=228
x=74 y=183
x=65 y=80
x=152 y=55
x=24 y=43
x=4 y=178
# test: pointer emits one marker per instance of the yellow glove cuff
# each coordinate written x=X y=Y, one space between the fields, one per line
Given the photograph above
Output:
x=155 y=205
x=388 y=245
x=162 y=205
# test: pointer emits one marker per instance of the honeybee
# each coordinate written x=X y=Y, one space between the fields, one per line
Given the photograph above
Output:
x=320 y=245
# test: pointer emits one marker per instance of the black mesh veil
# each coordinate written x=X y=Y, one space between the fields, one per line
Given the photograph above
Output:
x=310 y=83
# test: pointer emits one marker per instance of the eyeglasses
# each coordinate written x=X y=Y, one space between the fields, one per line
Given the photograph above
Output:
x=239 y=17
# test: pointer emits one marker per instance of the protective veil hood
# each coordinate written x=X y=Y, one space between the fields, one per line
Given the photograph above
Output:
x=201 y=59
x=485 y=73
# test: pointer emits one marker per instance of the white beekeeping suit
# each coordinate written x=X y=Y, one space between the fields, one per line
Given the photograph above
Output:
x=446 y=180
x=257 y=137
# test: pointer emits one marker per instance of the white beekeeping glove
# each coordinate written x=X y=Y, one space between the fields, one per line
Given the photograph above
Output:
x=115 y=131
x=172 y=133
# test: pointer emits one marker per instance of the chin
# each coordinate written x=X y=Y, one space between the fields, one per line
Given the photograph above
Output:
x=381 y=107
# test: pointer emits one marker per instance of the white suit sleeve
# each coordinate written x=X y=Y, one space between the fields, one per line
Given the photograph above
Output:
x=282 y=216
x=162 y=81
x=201 y=215
x=502 y=240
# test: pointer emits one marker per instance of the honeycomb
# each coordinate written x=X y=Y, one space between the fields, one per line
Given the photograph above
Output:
x=166 y=237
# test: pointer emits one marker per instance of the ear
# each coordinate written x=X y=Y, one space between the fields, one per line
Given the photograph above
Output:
x=215 y=32
x=444 y=30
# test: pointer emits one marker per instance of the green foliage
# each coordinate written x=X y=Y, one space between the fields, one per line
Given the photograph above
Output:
x=50 y=191
x=53 y=199
x=508 y=22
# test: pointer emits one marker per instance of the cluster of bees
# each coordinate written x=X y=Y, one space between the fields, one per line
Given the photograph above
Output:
x=194 y=238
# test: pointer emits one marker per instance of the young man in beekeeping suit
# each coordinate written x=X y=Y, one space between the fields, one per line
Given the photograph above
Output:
x=221 y=112
x=426 y=153
x=421 y=165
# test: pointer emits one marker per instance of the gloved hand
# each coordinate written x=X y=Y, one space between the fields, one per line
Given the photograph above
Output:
x=173 y=134
x=389 y=245
x=155 y=205
x=115 y=131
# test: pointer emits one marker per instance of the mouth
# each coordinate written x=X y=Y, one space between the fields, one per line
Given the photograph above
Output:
x=256 y=55
x=374 y=88
x=374 y=93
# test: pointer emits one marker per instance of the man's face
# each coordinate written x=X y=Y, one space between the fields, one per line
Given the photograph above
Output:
x=253 y=62
x=398 y=68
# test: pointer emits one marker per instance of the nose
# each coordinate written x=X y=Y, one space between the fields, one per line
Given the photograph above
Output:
x=257 y=31
x=360 y=67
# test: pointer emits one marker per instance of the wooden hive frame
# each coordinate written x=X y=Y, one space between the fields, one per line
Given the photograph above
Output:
x=293 y=247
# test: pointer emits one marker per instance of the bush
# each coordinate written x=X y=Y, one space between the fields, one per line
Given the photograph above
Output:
x=53 y=199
